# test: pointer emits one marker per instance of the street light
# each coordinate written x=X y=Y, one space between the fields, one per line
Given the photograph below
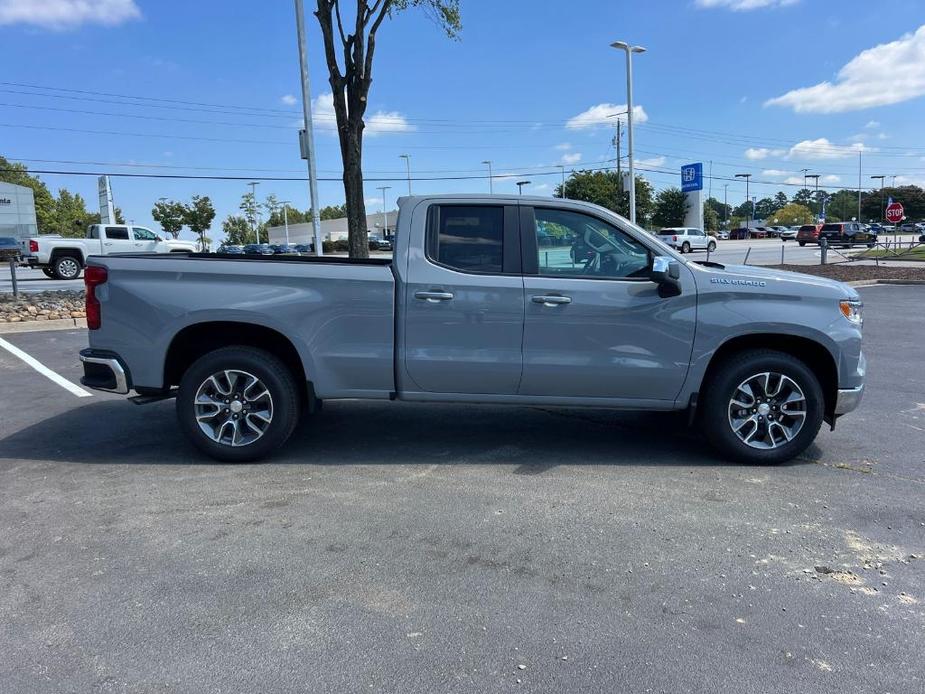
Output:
x=285 y=204
x=520 y=186
x=253 y=185
x=815 y=177
x=804 y=177
x=726 y=205
x=407 y=158
x=382 y=189
x=562 y=169
x=746 y=176
x=881 y=195
x=491 y=188
x=629 y=50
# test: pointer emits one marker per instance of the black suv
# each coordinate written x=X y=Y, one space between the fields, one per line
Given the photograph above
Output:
x=847 y=234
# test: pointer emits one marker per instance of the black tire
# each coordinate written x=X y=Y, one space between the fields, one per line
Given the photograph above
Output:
x=49 y=273
x=685 y=247
x=276 y=377
x=66 y=267
x=802 y=244
x=711 y=247
x=714 y=405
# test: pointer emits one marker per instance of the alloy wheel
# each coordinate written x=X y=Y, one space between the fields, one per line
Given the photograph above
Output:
x=233 y=408
x=767 y=410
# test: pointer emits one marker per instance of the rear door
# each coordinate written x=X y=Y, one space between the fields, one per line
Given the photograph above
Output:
x=464 y=300
x=600 y=329
x=118 y=240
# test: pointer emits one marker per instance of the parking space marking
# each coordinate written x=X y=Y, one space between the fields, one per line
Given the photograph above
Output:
x=44 y=370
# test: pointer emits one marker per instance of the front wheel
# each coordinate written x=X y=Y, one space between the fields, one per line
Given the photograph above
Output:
x=802 y=244
x=762 y=406
x=49 y=273
x=238 y=404
x=711 y=246
x=685 y=247
x=66 y=268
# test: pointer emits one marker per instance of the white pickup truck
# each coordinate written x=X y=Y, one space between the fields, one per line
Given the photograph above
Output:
x=63 y=258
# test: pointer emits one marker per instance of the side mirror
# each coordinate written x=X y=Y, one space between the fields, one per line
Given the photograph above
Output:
x=666 y=273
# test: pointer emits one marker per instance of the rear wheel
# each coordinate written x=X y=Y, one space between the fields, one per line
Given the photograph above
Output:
x=763 y=406
x=802 y=244
x=685 y=247
x=711 y=246
x=48 y=272
x=238 y=404
x=66 y=267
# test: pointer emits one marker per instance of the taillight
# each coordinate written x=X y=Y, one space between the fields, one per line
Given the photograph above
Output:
x=33 y=246
x=93 y=277
x=674 y=238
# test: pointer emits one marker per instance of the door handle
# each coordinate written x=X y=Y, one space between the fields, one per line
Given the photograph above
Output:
x=552 y=300
x=433 y=297
x=108 y=243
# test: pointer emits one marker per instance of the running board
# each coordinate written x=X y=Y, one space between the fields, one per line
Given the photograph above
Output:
x=148 y=399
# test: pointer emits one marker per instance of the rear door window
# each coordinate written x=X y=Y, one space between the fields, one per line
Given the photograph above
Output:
x=469 y=238
x=117 y=233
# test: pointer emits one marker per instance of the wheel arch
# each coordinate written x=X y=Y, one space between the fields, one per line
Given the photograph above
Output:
x=75 y=253
x=815 y=355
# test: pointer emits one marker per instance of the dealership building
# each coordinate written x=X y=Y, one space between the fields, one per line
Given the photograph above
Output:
x=334 y=229
x=17 y=211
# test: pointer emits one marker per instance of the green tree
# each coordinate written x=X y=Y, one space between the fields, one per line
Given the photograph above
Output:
x=911 y=197
x=603 y=188
x=332 y=212
x=722 y=210
x=71 y=214
x=670 y=208
x=170 y=214
x=45 y=212
x=198 y=216
x=237 y=230
x=350 y=86
x=804 y=196
x=711 y=220
x=780 y=200
x=764 y=208
x=792 y=214
x=251 y=209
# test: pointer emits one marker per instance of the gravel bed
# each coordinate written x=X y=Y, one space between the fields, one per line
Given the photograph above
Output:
x=41 y=306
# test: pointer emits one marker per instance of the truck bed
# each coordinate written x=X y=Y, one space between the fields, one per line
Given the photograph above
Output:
x=337 y=312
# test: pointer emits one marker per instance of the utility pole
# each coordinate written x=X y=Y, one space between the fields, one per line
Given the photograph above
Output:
x=253 y=185
x=746 y=176
x=816 y=178
x=382 y=190
x=285 y=204
x=520 y=186
x=726 y=205
x=562 y=169
x=308 y=125
x=617 y=143
x=629 y=50
x=859 y=185
x=491 y=187
x=407 y=158
x=804 y=177
x=710 y=193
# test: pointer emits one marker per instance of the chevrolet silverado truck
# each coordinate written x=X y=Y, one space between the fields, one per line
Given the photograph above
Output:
x=471 y=308
x=63 y=258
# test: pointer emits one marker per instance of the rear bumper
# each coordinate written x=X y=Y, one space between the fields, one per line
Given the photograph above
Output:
x=104 y=371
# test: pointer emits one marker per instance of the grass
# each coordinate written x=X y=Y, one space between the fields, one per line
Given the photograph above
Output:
x=916 y=253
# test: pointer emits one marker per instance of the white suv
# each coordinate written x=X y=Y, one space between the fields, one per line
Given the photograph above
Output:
x=687 y=239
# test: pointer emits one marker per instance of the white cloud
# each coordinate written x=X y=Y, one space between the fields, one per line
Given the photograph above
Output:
x=540 y=189
x=370 y=202
x=604 y=115
x=886 y=74
x=67 y=14
x=563 y=147
x=377 y=123
x=289 y=99
x=871 y=124
x=650 y=162
x=743 y=5
x=794 y=181
x=822 y=148
x=756 y=153
x=775 y=172
x=571 y=158
x=831 y=178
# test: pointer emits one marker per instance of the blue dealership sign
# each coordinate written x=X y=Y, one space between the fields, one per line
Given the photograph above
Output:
x=692 y=177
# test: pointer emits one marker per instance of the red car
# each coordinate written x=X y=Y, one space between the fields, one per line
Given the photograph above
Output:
x=808 y=233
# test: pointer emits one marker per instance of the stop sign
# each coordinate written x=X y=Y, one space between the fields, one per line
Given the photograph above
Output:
x=894 y=212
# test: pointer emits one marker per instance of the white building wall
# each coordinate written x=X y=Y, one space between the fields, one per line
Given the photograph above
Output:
x=17 y=211
x=332 y=229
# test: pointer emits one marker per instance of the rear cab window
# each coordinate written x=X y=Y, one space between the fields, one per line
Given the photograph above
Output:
x=117 y=233
x=470 y=238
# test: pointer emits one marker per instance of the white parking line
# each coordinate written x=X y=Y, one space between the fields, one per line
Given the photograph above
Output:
x=44 y=370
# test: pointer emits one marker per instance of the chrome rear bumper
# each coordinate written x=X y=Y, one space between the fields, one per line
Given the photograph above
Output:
x=103 y=372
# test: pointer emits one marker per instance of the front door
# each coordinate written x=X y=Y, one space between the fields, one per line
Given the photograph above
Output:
x=464 y=300
x=145 y=240
x=598 y=328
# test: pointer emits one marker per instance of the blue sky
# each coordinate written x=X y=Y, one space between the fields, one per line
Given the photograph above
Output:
x=762 y=86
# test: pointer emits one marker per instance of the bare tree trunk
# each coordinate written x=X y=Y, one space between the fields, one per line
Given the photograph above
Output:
x=351 y=145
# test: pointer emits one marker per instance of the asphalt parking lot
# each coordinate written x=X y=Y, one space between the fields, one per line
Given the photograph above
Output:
x=398 y=547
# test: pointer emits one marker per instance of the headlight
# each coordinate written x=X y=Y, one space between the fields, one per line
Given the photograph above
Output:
x=851 y=309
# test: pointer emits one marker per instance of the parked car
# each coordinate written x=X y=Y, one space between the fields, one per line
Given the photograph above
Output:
x=722 y=235
x=283 y=249
x=687 y=239
x=378 y=243
x=876 y=228
x=808 y=233
x=469 y=311
x=909 y=227
x=787 y=233
x=9 y=248
x=258 y=249
x=231 y=249
x=304 y=248
x=63 y=258
x=847 y=234
x=748 y=233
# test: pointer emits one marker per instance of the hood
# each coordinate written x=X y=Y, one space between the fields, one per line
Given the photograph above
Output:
x=771 y=279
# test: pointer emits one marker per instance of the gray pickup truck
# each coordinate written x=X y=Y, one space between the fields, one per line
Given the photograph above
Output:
x=488 y=299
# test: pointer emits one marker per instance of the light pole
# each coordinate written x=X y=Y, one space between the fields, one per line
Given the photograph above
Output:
x=491 y=188
x=746 y=176
x=726 y=205
x=285 y=204
x=520 y=186
x=804 y=177
x=253 y=185
x=382 y=190
x=629 y=50
x=407 y=158
x=881 y=195
x=309 y=126
x=562 y=169
x=815 y=178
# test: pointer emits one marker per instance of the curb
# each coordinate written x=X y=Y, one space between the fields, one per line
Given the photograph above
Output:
x=34 y=326
x=872 y=283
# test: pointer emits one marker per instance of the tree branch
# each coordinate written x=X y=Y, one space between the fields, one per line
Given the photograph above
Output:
x=371 y=41
x=340 y=24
